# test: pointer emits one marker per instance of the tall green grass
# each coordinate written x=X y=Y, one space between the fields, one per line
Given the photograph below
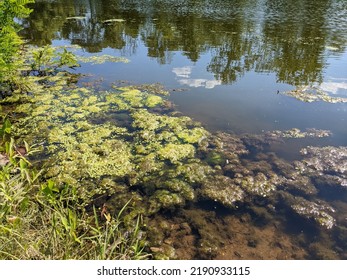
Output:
x=43 y=220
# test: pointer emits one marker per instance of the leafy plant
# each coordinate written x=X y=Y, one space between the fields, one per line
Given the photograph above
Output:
x=10 y=42
x=47 y=60
x=5 y=129
x=14 y=66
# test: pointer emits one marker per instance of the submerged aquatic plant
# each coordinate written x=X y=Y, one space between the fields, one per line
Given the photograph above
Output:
x=316 y=210
x=326 y=164
x=222 y=189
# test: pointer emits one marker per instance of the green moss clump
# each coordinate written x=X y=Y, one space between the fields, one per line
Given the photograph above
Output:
x=145 y=120
x=194 y=172
x=164 y=199
x=149 y=164
x=215 y=158
x=180 y=186
x=153 y=101
x=133 y=97
x=193 y=136
x=176 y=152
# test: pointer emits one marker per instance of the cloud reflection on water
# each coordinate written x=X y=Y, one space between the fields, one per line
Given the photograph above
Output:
x=184 y=78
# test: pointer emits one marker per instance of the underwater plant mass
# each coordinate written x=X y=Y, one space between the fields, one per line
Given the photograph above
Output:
x=117 y=159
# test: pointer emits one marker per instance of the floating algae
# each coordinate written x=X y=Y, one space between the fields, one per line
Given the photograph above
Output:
x=83 y=152
x=297 y=133
x=170 y=159
x=313 y=94
x=100 y=59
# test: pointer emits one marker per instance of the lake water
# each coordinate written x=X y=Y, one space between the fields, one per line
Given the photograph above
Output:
x=228 y=65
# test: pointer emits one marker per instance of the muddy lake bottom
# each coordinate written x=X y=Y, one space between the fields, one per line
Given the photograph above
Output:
x=254 y=232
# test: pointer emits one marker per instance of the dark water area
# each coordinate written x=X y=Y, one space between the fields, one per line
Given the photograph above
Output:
x=228 y=65
x=233 y=56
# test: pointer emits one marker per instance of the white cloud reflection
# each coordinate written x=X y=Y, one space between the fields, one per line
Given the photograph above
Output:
x=183 y=74
x=200 y=83
x=333 y=87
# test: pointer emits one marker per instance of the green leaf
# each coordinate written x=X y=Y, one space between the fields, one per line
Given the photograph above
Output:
x=51 y=185
x=22 y=164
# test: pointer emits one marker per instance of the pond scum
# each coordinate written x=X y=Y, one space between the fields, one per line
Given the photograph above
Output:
x=102 y=167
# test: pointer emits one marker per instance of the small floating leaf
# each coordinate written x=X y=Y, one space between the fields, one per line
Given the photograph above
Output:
x=113 y=20
x=76 y=18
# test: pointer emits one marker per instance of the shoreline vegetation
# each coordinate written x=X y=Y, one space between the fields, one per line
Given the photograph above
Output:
x=95 y=174
x=41 y=220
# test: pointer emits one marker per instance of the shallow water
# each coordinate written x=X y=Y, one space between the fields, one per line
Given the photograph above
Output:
x=228 y=65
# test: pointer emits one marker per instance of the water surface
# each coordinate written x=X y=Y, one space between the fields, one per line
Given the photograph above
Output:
x=227 y=64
